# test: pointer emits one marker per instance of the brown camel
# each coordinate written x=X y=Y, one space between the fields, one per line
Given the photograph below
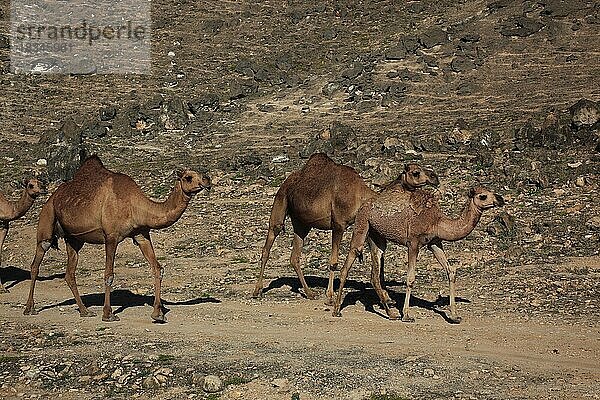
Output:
x=10 y=211
x=103 y=207
x=414 y=220
x=325 y=195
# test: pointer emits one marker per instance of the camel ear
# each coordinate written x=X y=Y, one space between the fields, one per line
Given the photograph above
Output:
x=24 y=182
x=472 y=193
x=179 y=173
x=406 y=167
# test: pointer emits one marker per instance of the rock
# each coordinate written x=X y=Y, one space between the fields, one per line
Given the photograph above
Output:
x=330 y=88
x=470 y=38
x=410 y=43
x=396 y=53
x=329 y=34
x=580 y=181
x=212 y=384
x=428 y=373
x=594 y=223
x=108 y=113
x=64 y=151
x=204 y=102
x=341 y=135
x=504 y=223
x=585 y=113
x=280 y=159
x=42 y=162
x=282 y=385
x=94 y=130
x=390 y=142
x=460 y=134
x=462 y=64
x=150 y=383
x=353 y=72
x=4 y=42
x=520 y=26
x=242 y=88
x=173 y=114
x=433 y=36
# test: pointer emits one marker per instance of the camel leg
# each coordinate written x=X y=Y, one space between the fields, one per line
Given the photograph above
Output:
x=145 y=244
x=40 y=251
x=3 y=233
x=45 y=230
x=378 y=245
x=266 y=250
x=359 y=235
x=336 y=239
x=73 y=247
x=438 y=252
x=110 y=248
x=300 y=233
x=413 y=252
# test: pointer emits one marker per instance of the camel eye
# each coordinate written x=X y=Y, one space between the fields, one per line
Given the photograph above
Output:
x=482 y=196
x=30 y=186
x=416 y=173
x=188 y=178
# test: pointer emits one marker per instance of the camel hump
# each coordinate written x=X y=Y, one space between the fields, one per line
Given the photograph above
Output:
x=91 y=165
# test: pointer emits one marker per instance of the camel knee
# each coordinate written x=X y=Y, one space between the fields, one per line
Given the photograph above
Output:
x=159 y=272
x=277 y=229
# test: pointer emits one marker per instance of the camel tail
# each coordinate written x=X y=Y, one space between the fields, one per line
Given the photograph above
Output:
x=278 y=212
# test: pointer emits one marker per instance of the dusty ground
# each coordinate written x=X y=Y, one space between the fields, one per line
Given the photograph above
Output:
x=253 y=88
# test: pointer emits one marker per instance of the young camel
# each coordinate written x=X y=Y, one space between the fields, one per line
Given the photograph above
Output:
x=413 y=220
x=99 y=206
x=10 y=211
x=325 y=195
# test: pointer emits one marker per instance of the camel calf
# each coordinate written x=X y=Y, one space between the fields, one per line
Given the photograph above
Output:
x=415 y=221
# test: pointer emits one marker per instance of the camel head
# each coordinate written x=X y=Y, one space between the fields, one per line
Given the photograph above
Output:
x=484 y=199
x=34 y=187
x=415 y=176
x=193 y=182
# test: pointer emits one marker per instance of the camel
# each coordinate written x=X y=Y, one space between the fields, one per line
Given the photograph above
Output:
x=413 y=219
x=325 y=195
x=99 y=206
x=10 y=211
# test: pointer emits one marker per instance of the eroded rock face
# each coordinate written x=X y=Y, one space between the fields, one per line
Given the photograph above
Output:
x=64 y=150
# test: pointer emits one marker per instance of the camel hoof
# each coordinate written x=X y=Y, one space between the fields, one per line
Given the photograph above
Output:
x=408 y=318
x=87 y=313
x=258 y=293
x=110 y=318
x=337 y=314
x=329 y=302
x=30 y=311
x=311 y=295
x=160 y=318
x=455 y=319
x=393 y=314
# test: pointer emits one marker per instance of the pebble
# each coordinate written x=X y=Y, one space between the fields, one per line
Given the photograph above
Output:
x=212 y=384
x=151 y=383
x=42 y=162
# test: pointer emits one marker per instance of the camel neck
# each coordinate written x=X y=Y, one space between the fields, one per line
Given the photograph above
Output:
x=452 y=229
x=21 y=206
x=165 y=214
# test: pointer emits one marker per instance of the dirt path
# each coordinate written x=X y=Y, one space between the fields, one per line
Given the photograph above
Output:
x=285 y=336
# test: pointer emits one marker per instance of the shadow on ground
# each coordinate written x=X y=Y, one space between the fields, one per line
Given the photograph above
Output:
x=124 y=299
x=17 y=275
x=360 y=292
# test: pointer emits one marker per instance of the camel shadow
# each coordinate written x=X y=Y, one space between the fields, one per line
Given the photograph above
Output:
x=124 y=299
x=364 y=293
x=17 y=275
x=311 y=281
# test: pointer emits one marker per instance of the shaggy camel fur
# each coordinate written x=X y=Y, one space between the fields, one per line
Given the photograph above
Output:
x=325 y=195
x=103 y=207
x=413 y=220
x=10 y=211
